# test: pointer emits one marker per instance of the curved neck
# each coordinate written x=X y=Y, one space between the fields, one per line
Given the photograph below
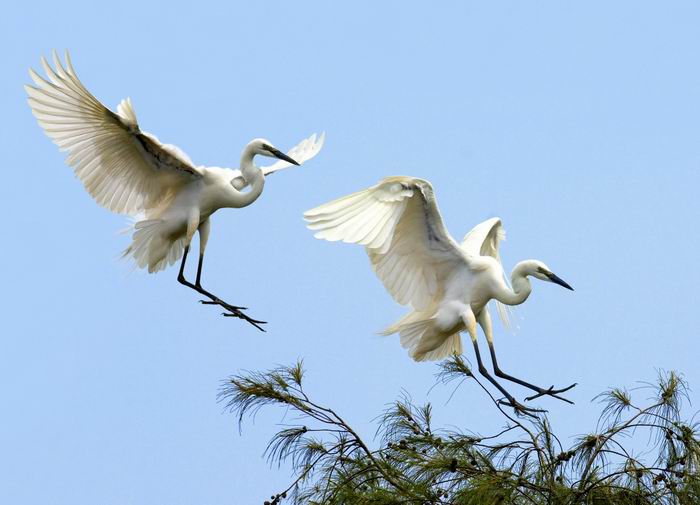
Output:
x=249 y=171
x=253 y=177
x=521 y=287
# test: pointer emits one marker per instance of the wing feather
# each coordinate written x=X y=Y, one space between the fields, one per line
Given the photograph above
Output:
x=124 y=169
x=400 y=226
x=303 y=151
x=484 y=240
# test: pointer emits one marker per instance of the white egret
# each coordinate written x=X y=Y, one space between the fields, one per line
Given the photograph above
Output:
x=131 y=172
x=448 y=285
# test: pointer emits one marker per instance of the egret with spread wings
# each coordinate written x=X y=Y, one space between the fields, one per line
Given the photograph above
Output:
x=129 y=171
x=448 y=285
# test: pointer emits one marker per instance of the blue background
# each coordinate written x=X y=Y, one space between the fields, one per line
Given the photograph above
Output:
x=578 y=124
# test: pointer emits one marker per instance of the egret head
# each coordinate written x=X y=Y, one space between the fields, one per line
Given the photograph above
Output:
x=542 y=272
x=264 y=147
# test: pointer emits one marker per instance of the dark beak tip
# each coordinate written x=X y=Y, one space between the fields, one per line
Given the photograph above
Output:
x=558 y=280
x=281 y=156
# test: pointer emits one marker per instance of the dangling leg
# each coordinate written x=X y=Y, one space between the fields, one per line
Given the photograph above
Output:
x=203 y=239
x=204 y=229
x=470 y=323
x=485 y=323
x=191 y=228
x=234 y=311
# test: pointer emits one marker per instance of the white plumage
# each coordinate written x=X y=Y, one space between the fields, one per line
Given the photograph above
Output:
x=408 y=252
x=446 y=284
x=129 y=171
x=484 y=240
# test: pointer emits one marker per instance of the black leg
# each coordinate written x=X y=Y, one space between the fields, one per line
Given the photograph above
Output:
x=512 y=402
x=540 y=391
x=181 y=274
x=234 y=311
x=214 y=299
x=198 y=282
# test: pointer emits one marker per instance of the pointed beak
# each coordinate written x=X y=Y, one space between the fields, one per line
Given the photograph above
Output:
x=279 y=154
x=557 y=280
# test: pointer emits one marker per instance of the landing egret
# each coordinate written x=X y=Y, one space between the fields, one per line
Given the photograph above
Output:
x=131 y=172
x=448 y=285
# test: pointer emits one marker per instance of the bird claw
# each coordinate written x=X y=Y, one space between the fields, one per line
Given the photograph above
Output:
x=552 y=392
x=520 y=408
x=223 y=304
x=241 y=315
x=233 y=311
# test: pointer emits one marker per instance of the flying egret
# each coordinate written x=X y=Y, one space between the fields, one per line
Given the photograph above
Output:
x=131 y=172
x=448 y=285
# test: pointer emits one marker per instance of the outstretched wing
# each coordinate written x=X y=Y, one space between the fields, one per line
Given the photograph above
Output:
x=484 y=240
x=124 y=169
x=399 y=223
x=304 y=151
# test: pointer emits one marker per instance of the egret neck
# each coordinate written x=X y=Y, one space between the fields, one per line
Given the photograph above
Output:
x=521 y=286
x=253 y=176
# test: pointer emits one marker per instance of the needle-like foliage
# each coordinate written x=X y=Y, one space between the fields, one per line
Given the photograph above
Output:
x=523 y=462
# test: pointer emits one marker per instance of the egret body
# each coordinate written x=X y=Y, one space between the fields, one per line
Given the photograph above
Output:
x=447 y=284
x=129 y=171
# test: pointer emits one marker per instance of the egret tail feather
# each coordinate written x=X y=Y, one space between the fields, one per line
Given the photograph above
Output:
x=152 y=246
x=422 y=339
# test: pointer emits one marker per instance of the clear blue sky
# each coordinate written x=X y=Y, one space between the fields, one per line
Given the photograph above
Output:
x=576 y=123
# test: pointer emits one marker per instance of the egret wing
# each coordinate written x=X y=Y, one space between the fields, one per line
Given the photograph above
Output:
x=484 y=240
x=304 y=151
x=399 y=224
x=124 y=169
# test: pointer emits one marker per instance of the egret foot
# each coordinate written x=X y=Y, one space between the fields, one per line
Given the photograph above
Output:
x=552 y=392
x=241 y=315
x=520 y=408
x=233 y=311
x=223 y=304
x=509 y=399
x=540 y=391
